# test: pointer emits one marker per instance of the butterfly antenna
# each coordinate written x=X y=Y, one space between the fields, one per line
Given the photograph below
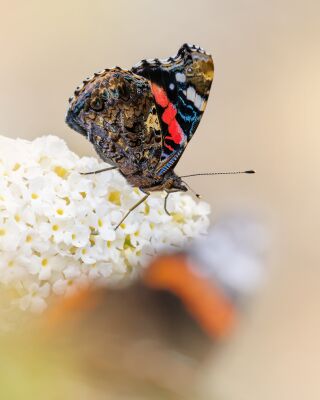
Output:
x=250 y=171
x=198 y=196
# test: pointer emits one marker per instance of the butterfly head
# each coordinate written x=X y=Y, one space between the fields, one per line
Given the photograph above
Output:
x=173 y=183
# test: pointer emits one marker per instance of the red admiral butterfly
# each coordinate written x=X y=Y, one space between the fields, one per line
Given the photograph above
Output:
x=140 y=121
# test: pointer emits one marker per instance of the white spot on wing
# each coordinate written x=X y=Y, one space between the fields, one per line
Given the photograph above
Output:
x=198 y=101
x=180 y=77
x=171 y=86
x=191 y=93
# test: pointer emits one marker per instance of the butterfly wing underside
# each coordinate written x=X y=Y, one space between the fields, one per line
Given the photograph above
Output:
x=115 y=109
x=180 y=86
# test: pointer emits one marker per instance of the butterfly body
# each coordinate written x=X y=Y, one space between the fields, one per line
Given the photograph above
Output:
x=141 y=120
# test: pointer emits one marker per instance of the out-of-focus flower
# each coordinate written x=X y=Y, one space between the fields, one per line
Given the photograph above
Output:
x=57 y=226
x=233 y=254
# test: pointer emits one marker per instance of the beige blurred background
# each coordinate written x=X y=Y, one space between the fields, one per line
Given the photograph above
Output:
x=263 y=113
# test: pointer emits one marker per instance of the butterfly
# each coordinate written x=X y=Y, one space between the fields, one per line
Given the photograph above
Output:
x=141 y=120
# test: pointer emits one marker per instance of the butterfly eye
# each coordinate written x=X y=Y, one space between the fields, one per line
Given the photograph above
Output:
x=96 y=104
x=189 y=71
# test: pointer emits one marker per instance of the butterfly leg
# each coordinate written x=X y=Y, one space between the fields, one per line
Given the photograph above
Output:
x=166 y=199
x=165 y=203
x=144 y=198
x=98 y=171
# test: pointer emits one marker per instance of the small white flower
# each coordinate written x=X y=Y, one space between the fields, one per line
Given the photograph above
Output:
x=57 y=226
x=35 y=297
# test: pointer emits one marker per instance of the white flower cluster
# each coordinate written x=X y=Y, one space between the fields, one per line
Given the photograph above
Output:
x=57 y=226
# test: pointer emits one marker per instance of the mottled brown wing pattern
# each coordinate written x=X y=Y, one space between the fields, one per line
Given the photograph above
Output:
x=115 y=109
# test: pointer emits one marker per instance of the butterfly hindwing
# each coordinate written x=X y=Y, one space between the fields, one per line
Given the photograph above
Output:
x=180 y=86
x=115 y=109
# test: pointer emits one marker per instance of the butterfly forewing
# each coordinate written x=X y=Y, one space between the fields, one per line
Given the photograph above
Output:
x=180 y=86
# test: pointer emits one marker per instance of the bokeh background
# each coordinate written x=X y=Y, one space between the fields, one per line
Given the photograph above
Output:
x=263 y=113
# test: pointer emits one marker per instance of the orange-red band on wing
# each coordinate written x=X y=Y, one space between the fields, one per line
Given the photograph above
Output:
x=175 y=132
x=159 y=95
x=168 y=116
